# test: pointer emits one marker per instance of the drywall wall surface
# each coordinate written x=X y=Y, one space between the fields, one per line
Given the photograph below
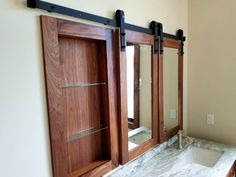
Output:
x=212 y=69
x=25 y=147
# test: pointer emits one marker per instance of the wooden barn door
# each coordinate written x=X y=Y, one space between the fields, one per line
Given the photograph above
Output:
x=81 y=95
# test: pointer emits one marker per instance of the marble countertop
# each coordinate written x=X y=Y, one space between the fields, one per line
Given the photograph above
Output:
x=163 y=161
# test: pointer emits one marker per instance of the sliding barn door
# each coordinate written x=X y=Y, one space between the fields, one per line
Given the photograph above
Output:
x=81 y=94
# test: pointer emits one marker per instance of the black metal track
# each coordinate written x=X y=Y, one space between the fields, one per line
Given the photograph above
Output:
x=70 y=12
x=138 y=28
x=50 y=7
x=167 y=35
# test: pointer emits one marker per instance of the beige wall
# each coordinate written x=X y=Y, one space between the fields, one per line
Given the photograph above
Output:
x=212 y=69
x=24 y=149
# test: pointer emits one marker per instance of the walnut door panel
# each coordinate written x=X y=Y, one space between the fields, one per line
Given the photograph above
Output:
x=81 y=97
x=232 y=171
x=80 y=65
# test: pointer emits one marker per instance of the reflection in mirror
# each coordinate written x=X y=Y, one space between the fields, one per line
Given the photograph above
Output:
x=170 y=88
x=139 y=93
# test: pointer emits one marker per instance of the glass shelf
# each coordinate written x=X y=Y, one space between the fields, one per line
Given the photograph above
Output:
x=83 y=85
x=84 y=134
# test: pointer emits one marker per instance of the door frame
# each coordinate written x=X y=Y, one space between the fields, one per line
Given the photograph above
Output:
x=138 y=38
x=165 y=135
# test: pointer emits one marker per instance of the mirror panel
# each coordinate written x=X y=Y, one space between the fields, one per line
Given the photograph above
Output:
x=139 y=93
x=170 y=88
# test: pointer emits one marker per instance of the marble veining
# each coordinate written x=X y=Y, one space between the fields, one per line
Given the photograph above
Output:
x=163 y=161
